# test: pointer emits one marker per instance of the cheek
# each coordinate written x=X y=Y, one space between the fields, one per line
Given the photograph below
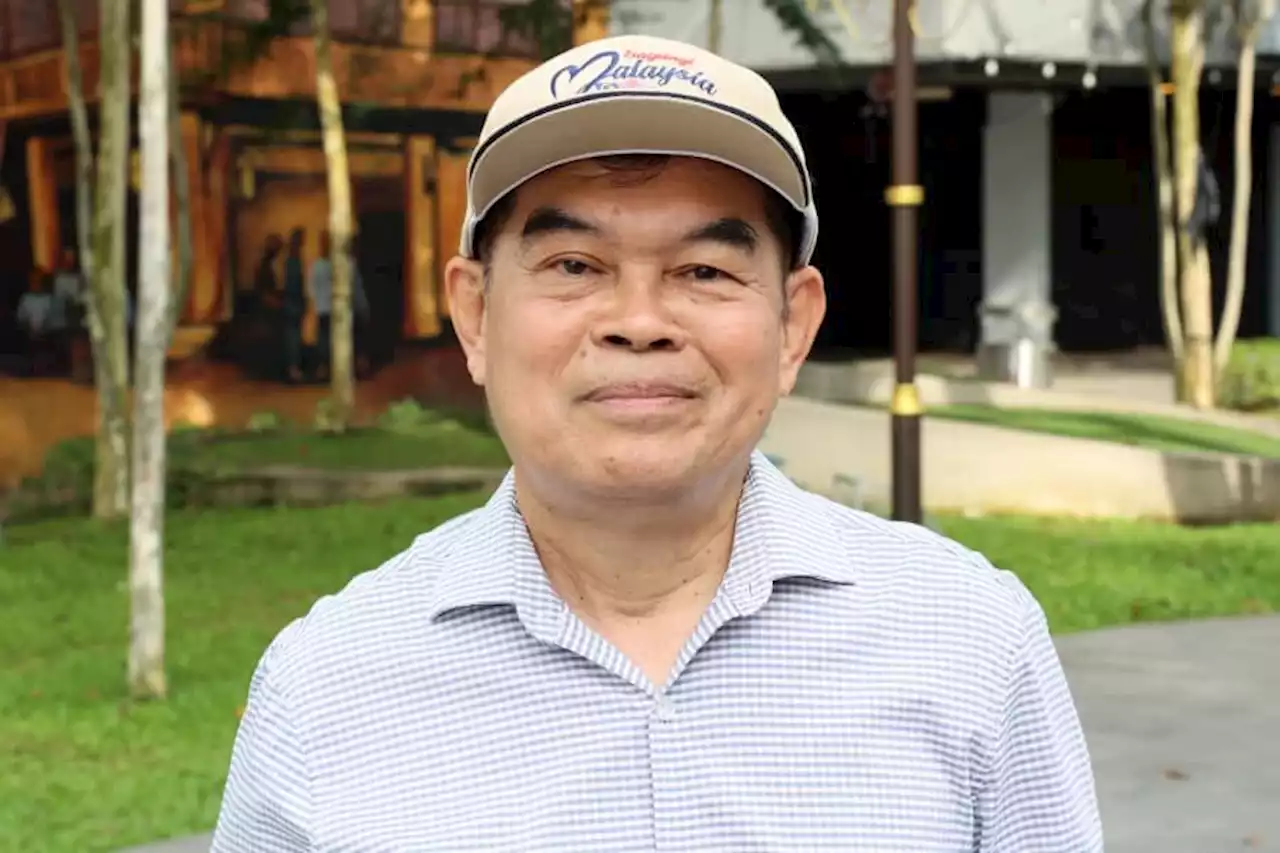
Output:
x=530 y=344
x=743 y=346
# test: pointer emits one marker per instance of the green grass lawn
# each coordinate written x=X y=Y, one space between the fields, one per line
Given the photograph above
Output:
x=371 y=449
x=1153 y=431
x=85 y=770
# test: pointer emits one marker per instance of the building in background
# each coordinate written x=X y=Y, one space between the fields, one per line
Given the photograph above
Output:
x=1035 y=156
x=416 y=77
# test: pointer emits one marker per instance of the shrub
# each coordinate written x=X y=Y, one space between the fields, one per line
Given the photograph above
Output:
x=407 y=416
x=265 y=422
x=1251 y=380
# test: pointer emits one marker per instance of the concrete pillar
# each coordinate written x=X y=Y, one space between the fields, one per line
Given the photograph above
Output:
x=207 y=182
x=590 y=20
x=42 y=197
x=1271 y=302
x=451 y=204
x=421 y=314
x=1017 y=234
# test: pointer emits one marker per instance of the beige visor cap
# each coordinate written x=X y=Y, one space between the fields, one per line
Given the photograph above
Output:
x=637 y=95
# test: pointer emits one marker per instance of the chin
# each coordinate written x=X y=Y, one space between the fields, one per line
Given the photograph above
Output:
x=641 y=465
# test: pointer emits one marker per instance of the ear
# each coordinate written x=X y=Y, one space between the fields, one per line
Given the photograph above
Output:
x=806 y=297
x=464 y=288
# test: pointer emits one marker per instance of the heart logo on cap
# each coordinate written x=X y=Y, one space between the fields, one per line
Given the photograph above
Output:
x=609 y=70
x=602 y=63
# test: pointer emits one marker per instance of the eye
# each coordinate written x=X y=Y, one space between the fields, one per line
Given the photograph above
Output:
x=705 y=273
x=573 y=267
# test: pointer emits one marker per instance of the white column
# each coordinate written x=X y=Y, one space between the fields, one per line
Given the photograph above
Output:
x=1017 y=232
x=1271 y=301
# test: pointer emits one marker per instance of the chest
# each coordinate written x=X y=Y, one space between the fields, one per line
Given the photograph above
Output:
x=767 y=752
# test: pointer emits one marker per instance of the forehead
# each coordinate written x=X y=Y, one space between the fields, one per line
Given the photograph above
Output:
x=679 y=186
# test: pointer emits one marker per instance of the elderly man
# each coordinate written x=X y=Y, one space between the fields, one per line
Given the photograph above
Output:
x=649 y=639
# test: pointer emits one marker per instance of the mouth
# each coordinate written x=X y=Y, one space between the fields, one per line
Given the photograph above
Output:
x=641 y=393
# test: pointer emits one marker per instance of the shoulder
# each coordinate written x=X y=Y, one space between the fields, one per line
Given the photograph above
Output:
x=921 y=579
x=378 y=610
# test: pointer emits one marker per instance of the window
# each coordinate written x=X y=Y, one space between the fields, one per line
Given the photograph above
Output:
x=32 y=26
x=373 y=21
x=476 y=26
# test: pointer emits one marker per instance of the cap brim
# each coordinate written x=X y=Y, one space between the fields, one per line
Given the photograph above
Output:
x=633 y=123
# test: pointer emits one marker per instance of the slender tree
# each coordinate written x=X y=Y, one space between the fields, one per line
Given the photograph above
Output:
x=341 y=366
x=1162 y=167
x=100 y=232
x=1249 y=16
x=146 y=540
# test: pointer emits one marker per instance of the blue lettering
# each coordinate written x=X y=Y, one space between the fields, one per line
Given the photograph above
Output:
x=606 y=71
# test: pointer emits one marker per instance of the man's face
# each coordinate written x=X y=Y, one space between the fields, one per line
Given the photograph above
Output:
x=637 y=327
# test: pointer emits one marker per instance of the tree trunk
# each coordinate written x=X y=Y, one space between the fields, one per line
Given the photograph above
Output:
x=1170 y=313
x=1242 y=195
x=73 y=81
x=146 y=532
x=111 y=357
x=1187 y=60
x=341 y=367
x=715 y=25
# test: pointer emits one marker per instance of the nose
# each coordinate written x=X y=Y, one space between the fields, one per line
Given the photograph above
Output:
x=637 y=318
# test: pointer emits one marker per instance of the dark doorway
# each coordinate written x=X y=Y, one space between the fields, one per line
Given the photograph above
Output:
x=380 y=256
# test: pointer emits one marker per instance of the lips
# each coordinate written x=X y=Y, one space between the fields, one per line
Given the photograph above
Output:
x=638 y=391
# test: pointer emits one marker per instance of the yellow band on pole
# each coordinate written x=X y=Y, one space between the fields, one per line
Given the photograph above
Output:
x=904 y=195
x=905 y=400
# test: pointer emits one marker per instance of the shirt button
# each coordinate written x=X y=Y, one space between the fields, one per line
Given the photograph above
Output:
x=665 y=711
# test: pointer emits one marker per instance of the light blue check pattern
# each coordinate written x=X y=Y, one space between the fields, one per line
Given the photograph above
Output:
x=856 y=685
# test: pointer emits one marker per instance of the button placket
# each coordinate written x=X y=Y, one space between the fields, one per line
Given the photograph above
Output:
x=664 y=752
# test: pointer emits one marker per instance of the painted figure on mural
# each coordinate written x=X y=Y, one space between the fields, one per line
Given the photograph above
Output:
x=266 y=286
x=70 y=290
x=322 y=299
x=41 y=322
x=294 y=305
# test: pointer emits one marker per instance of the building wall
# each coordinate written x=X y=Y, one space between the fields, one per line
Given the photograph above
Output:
x=1064 y=31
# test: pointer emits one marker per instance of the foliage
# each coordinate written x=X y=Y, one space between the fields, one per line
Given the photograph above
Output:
x=324 y=419
x=246 y=40
x=88 y=770
x=1152 y=431
x=1251 y=379
x=548 y=25
x=794 y=18
x=264 y=422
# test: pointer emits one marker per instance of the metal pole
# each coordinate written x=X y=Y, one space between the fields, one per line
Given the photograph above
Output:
x=905 y=195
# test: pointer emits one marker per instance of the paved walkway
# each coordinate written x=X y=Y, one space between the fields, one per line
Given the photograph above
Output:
x=1183 y=721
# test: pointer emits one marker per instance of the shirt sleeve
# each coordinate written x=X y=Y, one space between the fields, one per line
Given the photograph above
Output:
x=1037 y=791
x=266 y=804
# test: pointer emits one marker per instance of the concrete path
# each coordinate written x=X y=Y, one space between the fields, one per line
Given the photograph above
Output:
x=981 y=469
x=1183 y=721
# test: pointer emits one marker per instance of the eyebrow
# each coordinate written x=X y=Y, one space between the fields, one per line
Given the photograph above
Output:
x=549 y=220
x=729 y=231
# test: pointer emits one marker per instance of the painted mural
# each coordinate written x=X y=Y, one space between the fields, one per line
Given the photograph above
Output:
x=426 y=70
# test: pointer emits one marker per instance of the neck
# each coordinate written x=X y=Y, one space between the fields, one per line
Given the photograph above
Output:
x=630 y=562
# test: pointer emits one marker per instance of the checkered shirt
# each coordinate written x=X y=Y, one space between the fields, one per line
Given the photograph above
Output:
x=855 y=685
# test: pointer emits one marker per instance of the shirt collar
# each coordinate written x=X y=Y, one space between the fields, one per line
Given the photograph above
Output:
x=781 y=532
